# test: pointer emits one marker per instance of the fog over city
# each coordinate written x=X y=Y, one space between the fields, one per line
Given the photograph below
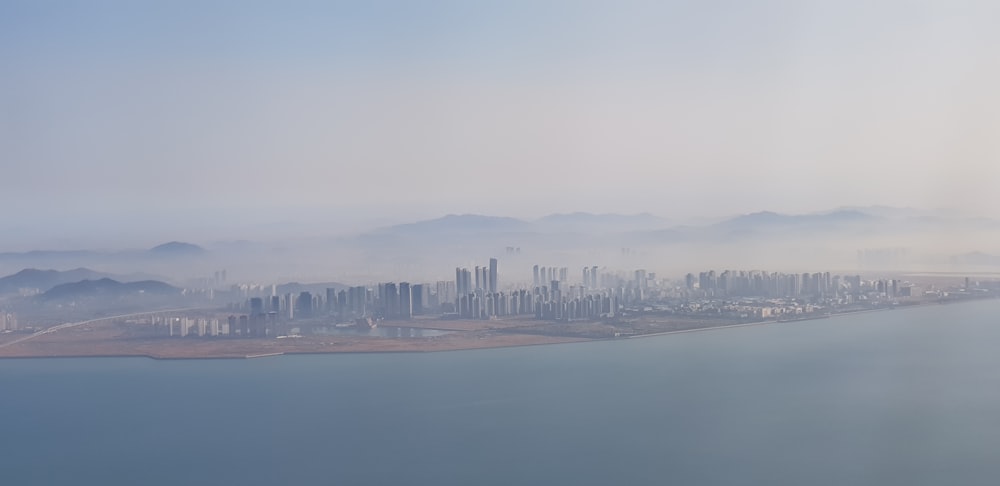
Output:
x=298 y=143
x=495 y=242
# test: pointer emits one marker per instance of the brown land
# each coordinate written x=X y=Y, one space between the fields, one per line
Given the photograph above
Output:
x=110 y=337
x=107 y=339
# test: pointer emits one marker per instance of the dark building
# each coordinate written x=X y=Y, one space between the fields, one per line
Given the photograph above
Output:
x=244 y=326
x=389 y=300
x=331 y=300
x=493 y=278
x=419 y=295
x=304 y=304
x=405 y=301
x=256 y=306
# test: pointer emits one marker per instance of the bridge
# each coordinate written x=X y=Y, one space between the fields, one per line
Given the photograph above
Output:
x=69 y=325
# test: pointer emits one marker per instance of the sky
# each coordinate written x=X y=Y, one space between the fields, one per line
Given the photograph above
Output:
x=183 y=112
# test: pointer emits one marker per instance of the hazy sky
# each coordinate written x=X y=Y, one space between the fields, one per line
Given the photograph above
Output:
x=176 y=108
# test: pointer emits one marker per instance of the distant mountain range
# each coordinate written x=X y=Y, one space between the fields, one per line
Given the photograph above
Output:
x=767 y=218
x=31 y=278
x=176 y=248
x=108 y=289
x=609 y=221
x=423 y=247
x=162 y=253
x=770 y=222
x=461 y=223
x=633 y=223
x=42 y=280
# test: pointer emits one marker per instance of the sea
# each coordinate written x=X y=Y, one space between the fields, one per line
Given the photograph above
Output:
x=908 y=397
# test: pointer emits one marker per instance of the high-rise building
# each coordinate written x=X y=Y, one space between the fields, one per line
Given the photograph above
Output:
x=463 y=281
x=493 y=276
x=446 y=292
x=331 y=299
x=640 y=279
x=405 y=310
x=256 y=305
x=290 y=305
x=535 y=272
x=419 y=294
x=304 y=304
x=389 y=300
x=357 y=301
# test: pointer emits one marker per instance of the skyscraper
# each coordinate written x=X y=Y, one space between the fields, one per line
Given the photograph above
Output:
x=493 y=275
x=419 y=294
x=405 y=301
x=331 y=299
x=389 y=297
x=463 y=281
x=304 y=303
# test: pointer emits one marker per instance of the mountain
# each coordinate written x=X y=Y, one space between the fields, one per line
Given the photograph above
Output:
x=590 y=222
x=107 y=288
x=176 y=248
x=455 y=223
x=49 y=255
x=770 y=219
x=31 y=278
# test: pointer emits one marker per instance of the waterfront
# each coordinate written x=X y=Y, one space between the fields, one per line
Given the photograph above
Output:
x=901 y=397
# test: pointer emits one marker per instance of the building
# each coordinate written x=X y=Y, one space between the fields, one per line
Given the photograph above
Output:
x=493 y=276
x=405 y=310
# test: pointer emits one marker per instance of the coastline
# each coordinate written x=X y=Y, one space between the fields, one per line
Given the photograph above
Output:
x=464 y=341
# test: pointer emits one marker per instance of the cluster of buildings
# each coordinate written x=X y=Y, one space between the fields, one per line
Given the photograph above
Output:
x=756 y=283
x=8 y=321
x=476 y=293
x=551 y=297
x=245 y=325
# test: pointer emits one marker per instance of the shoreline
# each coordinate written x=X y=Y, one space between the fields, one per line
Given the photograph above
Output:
x=567 y=339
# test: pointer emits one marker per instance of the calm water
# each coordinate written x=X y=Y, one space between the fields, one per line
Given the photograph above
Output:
x=898 y=397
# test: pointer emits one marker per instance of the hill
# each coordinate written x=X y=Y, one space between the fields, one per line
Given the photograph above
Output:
x=31 y=278
x=107 y=288
x=461 y=223
x=176 y=248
